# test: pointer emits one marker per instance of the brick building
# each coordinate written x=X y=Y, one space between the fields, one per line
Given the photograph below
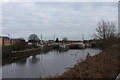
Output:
x=5 y=41
x=8 y=41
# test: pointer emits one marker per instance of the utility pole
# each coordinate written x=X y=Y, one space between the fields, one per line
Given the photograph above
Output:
x=9 y=35
x=41 y=37
x=54 y=37
x=83 y=37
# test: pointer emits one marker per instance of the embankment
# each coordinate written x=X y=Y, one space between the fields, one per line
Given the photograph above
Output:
x=7 y=52
x=25 y=53
x=104 y=65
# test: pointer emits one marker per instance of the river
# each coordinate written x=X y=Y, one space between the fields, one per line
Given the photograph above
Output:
x=45 y=64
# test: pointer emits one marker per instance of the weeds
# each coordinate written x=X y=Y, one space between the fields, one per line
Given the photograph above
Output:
x=103 y=65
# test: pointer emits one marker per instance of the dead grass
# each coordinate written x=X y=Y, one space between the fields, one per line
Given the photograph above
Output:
x=103 y=65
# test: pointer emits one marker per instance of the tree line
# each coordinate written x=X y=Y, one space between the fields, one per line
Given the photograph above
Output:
x=106 y=33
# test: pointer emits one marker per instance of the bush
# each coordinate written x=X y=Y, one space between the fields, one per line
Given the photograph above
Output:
x=19 y=45
x=6 y=50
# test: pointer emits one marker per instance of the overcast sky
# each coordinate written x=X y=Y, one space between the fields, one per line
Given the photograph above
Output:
x=64 y=19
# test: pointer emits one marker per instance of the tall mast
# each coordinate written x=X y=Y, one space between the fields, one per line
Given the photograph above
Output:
x=41 y=37
x=54 y=37
x=9 y=35
x=83 y=37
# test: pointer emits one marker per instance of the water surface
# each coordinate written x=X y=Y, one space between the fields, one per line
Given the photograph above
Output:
x=45 y=64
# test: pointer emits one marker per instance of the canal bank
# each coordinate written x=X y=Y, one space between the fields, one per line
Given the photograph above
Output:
x=104 y=65
x=33 y=51
x=9 y=53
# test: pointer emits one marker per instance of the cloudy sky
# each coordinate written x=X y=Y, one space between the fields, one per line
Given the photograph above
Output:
x=64 y=19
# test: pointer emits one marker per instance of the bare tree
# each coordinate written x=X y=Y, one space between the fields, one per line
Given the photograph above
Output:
x=33 y=38
x=106 y=33
x=65 y=39
x=105 y=30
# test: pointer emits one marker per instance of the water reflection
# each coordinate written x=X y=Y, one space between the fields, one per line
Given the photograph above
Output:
x=22 y=61
x=34 y=59
x=45 y=64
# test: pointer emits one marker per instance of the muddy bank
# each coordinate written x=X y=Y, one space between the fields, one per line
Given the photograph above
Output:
x=104 y=65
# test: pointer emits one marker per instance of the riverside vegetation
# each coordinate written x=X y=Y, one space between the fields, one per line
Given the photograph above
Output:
x=104 y=65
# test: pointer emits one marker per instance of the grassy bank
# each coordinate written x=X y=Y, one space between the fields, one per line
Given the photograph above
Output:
x=103 y=65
